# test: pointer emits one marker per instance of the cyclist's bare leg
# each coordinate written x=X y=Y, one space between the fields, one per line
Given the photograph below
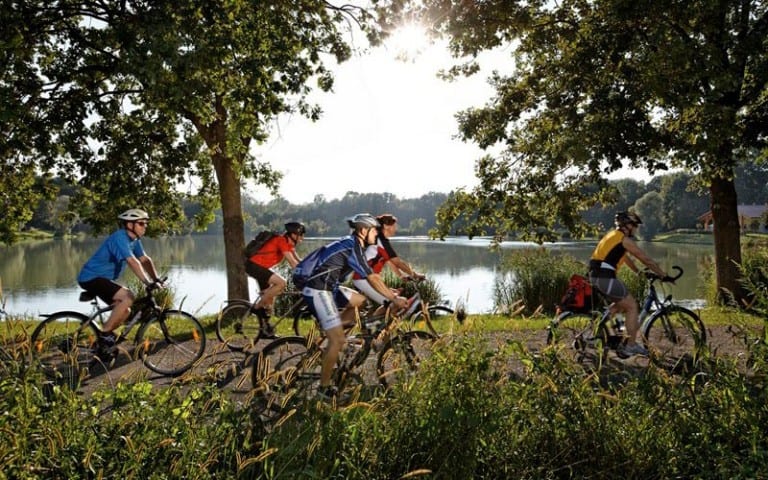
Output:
x=122 y=302
x=276 y=286
x=336 y=341
x=629 y=306
x=349 y=314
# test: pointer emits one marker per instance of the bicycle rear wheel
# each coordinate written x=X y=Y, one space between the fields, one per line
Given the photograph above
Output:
x=285 y=374
x=171 y=342
x=63 y=347
x=237 y=326
x=401 y=356
x=578 y=332
x=675 y=335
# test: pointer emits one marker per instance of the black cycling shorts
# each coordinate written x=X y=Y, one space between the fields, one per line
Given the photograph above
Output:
x=103 y=288
x=260 y=273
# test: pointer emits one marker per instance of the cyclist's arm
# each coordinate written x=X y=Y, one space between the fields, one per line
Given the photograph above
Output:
x=292 y=258
x=636 y=252
x=626 y=260
x=378 y=284
x=401 y=266
x=139 y=269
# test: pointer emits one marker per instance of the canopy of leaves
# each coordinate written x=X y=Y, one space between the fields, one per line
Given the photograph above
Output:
x=131 y=99
x=597 y=86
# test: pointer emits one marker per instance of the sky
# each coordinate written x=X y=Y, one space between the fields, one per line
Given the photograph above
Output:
x=387 y=127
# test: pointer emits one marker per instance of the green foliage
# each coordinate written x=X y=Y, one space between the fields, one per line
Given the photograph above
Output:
x=428 y=288
x=536 y=277
x=476 y=409
x=755 y=276
x=52 y=432
x=622 y=102
x=472 y=414
x=650 y=208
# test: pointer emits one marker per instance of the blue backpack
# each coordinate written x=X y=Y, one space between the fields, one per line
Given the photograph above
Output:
x=303 y=271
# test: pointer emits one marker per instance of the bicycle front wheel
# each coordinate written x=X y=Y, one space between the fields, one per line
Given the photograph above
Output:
x=402 y=355
x=285 y=373
x=675 y=335
x=63 y=347
x=171 y=342
x=237 y=326
x=304 y=323
x=581 y=334
x=439 y=315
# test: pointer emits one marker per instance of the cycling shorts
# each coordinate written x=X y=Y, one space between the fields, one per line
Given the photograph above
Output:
x=610 y=286
x=261 y=274
x=103 y=288
x=369 y=291
x=325 y=304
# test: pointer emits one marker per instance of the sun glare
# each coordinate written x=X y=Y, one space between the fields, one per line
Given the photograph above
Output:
x=408 y=41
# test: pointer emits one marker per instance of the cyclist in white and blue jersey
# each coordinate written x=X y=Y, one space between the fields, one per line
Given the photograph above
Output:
x=323 y=271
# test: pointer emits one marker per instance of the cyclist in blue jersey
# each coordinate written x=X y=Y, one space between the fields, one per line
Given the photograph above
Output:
x=320 y=275
x=123 y=247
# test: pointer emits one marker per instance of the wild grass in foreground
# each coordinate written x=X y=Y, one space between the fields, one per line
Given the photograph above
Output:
x=471 y=412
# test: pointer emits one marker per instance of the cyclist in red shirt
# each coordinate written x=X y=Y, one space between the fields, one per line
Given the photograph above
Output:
x=259 y=266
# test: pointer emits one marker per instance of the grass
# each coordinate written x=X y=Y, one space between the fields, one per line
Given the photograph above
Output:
x=467 y=416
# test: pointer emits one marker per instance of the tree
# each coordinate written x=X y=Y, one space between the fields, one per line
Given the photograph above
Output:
x=684 y=202
x=596 y=86
x=650 y=207
x=135 y=99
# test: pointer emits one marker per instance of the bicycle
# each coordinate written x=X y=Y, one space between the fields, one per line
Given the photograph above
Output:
x=239 y=327
x=287 y=370
x=417 y=311
x=672 y=333
x=65 y=344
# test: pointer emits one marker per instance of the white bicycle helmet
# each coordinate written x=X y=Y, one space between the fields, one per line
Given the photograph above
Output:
x=133 y=215
x=362 y=220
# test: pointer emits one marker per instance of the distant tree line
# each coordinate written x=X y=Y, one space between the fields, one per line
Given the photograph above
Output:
x=667 y=202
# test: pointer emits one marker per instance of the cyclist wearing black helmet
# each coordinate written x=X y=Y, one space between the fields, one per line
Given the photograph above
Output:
x=320 y=275
x=613 y=250
x=273 y=251
x=123 y=247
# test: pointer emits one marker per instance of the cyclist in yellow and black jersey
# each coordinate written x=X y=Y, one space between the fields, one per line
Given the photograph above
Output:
x=618 y=247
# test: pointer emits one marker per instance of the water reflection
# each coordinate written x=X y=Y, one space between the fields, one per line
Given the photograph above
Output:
x=39 y=277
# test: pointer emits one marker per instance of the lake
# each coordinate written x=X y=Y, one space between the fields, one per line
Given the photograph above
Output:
x=39 y=277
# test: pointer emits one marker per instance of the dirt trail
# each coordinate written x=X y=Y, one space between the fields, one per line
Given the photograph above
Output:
x=231 y=371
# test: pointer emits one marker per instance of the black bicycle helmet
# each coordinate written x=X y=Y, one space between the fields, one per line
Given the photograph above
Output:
x=362 y=220
x=624 y=218
x=295 y=227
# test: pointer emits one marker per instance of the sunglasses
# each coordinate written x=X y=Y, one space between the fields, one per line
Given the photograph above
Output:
x=143 y=224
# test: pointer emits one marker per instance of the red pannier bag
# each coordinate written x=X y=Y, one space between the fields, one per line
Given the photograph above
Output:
x=578 y=295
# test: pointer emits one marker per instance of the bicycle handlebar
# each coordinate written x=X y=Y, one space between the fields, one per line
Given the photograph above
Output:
x=155 y=285
x=669 y=278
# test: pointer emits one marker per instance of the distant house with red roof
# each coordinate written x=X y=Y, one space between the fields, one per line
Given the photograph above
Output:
x=752 y=218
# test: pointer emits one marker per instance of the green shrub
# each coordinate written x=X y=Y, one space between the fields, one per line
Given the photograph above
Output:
x=536 y=277
x=476 y=412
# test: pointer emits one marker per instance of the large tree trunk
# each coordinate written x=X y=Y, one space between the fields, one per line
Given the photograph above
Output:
x=727 y=233
x=232 y=211
x=215 y=136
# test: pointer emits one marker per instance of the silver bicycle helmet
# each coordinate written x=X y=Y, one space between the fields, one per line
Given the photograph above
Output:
x=362 y=220
x=133 y=215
